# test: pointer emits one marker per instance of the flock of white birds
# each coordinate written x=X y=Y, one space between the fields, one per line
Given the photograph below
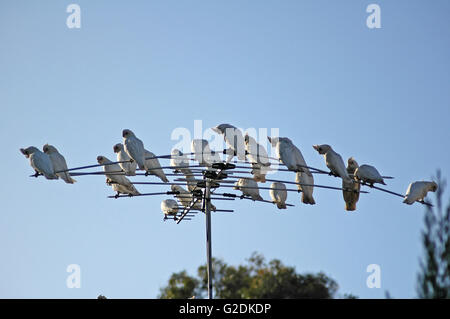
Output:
x=131 y=156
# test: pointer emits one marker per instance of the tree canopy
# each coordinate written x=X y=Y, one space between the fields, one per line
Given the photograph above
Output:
x=434 y=276
x=255 y=279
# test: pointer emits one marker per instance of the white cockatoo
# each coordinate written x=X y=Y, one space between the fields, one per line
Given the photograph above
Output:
x=153 y=166
x=368 y=174
x=291 y=156
x=178 y=160
x=305 y=184
x=59 y=163
x=333 y=161
x=278 y=194
x=128 y=167
x=203 y=154
x=234 y=140
x=259 y=158
x=352 y=188
x=288 y=153
x=169 y=207
x=115 y=177
x=248 y=187
x=185 y=198
x=417 y=191
x=40 y=162
x=134 y=148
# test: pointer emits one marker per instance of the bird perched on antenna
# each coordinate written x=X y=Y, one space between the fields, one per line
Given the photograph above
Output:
x=59 y=163
x=417 y=191
x=351 y=188
x=129 y=167
x=333 y=161
x=368 y=174
x=169 y=207
x=134 y=148
x=40 y=162
x=248 y=187
x=258 y=157
x=305 y=185
x=234 y=140
x=115 y=177
x=288 y=153
x=291 y=156
x=278 y=194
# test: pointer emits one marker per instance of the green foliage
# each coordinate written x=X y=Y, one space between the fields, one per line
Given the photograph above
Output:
x=180 y=286
x=434 y=276
x=256 y=279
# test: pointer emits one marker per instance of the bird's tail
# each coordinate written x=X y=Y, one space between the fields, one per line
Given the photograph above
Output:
x=281 y=205
x=134 y=191
x=350 y=206
x=258 y=197
x=164 y=178
x=68 y=179
x=308 y=199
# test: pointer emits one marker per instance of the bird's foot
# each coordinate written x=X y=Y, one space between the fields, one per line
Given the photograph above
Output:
x=117 y=196
x=36 y=174
x=130 y=195
x=146 y=173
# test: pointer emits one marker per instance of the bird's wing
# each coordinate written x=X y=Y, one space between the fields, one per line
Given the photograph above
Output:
x=59 y=162
x=336 y=164
x=370 y=172
x=418 y=190
x=286 y=155
x=134 y=148
x=117 y=178
x=42 y=162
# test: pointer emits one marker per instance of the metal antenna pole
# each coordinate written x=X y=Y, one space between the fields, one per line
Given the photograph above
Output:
x=208 y=236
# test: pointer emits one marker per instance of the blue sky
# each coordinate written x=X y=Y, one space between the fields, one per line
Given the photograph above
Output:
x=310 y=68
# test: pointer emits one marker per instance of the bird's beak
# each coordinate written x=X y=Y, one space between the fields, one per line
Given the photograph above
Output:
x=215 y=129
x=24 y=153
x=316 y=147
